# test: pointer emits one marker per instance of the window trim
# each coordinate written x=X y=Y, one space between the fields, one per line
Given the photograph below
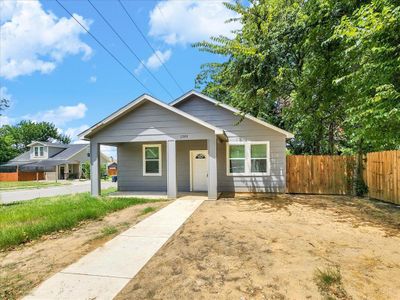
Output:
x=34 y=151
x=144 y=146
x=228 y=159
x=248 y=159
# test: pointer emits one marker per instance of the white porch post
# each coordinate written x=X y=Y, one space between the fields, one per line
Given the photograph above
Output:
x=95 y=168
x=212 y=168
x=171 y=170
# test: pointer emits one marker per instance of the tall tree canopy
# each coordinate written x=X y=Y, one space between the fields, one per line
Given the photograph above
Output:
x=327 y=70
x=14 y=139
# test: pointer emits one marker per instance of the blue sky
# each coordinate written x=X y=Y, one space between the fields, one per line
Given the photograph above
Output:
x=52 y=70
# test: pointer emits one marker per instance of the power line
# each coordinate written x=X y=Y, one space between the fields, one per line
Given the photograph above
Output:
x=130 y=49
x=148 y=43
x=104 y=47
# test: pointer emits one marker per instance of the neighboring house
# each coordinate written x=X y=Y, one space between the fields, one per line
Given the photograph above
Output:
x=112 y=169
x=193 y=144
x=56 y=161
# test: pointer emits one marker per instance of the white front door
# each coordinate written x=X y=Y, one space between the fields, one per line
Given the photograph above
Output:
x=199 y=170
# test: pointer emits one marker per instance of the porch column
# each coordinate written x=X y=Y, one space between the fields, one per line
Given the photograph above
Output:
x=95 y=168
x=212 y=169
x=171 y=170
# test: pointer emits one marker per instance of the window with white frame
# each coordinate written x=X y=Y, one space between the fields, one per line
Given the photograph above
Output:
x=248 y=158
x=39 y=151
x=236 y=159
x=152 y=160
x=259 y=158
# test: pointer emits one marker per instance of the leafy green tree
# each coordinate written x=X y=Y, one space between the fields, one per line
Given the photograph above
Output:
x=327 y=70
x=14 y=139
x=371 y=78
x=86 y=170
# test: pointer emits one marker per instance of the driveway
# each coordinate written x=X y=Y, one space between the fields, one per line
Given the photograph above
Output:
x=75 y=187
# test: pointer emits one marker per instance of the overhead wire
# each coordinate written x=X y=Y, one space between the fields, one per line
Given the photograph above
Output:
x=130 y=49
x=104 y=47
x=149 y=44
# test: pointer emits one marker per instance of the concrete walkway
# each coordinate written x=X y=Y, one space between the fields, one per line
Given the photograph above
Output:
x=73 y=188
x=104 y=272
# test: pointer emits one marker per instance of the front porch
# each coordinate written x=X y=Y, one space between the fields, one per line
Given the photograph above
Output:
x=166 y=169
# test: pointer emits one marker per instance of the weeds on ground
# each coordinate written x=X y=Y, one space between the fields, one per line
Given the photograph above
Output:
x=109 y=230
x=147 y=210
x=329 y=283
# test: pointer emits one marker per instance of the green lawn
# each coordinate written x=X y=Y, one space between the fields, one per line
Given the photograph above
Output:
x=17 y=185
x=29 y=220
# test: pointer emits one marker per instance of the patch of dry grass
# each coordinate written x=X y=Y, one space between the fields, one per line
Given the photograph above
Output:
x=329 y=282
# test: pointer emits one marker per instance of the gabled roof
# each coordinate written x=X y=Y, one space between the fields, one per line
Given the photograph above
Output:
x=112 y=165
x=134 y=104
x=232 y=109
x=49 y=144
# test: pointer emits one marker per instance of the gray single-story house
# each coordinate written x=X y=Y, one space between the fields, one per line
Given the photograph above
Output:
x=57 y=161
x=194 y=143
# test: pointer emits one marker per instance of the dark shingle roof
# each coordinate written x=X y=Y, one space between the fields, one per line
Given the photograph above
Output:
x=70 y=151
x=22 y=157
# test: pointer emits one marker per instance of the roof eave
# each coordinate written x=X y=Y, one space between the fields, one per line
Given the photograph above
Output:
x=85 y=135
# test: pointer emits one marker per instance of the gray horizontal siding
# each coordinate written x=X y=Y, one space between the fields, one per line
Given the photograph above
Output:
x=150 y=122
x=247 y=130
x=130 y=169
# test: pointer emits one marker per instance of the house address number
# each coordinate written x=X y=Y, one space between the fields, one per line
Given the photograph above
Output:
x=184 y=136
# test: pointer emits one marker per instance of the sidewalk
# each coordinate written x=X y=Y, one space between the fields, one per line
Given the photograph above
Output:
x=103 y=273
x=75 y=187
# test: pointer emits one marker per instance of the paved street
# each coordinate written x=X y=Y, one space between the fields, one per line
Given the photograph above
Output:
x=75 y=187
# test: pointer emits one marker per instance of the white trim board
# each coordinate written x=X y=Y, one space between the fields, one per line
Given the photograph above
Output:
x=232 y=109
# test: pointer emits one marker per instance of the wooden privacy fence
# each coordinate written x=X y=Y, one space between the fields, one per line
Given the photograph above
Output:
x=319 y=174
x=22 y=176
x=333 y=174
x=383 y=175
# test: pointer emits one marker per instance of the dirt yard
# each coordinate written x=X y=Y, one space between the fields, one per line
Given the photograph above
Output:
x=28 y=265
x=284 y=247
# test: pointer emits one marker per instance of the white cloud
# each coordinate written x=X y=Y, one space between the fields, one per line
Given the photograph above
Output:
x=4 y=94
x=154 y=62
x=60 y=115
x=182 y=22
x=36 y=40
x=92 y=79
x=74 y=131
x=4 y=120
x=157 y=59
